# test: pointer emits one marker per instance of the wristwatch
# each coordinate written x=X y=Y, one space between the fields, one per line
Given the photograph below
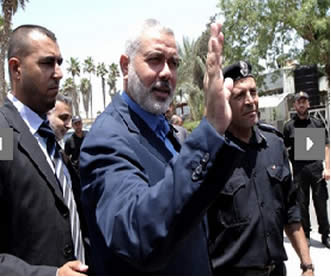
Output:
x=306 y=267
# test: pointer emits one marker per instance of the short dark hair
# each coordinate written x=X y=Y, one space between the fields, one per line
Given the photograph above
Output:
x=64 y=99
x=19 y=45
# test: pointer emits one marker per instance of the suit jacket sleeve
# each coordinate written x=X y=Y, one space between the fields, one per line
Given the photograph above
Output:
x=139 y=217
x=11 y=265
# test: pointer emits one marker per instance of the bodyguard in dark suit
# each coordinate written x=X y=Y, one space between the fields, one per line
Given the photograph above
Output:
x=144 y=197
x=36 y=226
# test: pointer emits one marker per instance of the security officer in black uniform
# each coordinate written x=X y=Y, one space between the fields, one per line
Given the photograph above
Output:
x=309 y=174
x=259 y=200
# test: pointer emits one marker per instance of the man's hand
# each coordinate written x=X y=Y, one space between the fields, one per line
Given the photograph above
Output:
x=74 y=268
x=326 y=174
x=217 y=92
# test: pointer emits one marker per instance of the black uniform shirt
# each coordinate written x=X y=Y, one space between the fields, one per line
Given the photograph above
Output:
x=296 y=122
x=72 y=147
x=246 y=222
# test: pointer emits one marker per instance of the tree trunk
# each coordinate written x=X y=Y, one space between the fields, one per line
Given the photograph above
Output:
x=4 y=39
x=90 y=96
x=75 y=102
x=3 y=85
x=103 y=92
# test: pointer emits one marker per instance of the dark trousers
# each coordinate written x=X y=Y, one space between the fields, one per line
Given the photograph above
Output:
x=308 y=177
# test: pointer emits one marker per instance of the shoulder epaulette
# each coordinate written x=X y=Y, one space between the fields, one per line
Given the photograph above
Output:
x=269 y=128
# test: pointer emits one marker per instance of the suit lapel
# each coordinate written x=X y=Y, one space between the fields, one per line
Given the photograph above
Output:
x=30 y=147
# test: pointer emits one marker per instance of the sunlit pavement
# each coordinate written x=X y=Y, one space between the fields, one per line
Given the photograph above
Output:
x=321 y=255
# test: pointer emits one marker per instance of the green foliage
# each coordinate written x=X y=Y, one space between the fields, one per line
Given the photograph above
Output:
x=191 y=125
x=185 y=78
x=67 y=87
x=74 y=70
x=270 y=32
x=89 y=67
x=101 y=72
x=74 y=67
x=8 y=9
x=199 y=68
x=86 y=90
x=112 y=78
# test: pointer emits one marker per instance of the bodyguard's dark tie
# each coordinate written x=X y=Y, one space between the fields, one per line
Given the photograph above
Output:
x=65 y=184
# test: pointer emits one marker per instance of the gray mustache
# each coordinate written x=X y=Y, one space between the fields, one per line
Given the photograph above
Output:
x=162 y=85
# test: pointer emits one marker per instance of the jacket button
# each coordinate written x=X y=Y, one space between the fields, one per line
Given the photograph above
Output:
x=198 y=170
x=65 y=214
x=197 y=173
x=205 y=159
x=67 y=251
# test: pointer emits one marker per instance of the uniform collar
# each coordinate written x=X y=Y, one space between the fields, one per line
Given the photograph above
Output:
x=257 y=138
x=296 y=117
x=257 y=135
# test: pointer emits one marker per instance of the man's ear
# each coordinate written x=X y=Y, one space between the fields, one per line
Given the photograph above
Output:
x=14 y=65
x=124 y=62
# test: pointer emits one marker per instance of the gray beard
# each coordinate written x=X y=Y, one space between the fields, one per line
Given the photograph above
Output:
x=143 y=96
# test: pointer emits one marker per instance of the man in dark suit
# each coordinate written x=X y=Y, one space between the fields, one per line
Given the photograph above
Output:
x=36 y=226
x=144 y=197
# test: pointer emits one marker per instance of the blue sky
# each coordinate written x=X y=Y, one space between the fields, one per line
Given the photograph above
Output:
x=98 y=28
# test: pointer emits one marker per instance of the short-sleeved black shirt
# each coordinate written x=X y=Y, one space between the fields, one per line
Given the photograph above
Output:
x=72 y=147
x=247 y=220
x=296 y=122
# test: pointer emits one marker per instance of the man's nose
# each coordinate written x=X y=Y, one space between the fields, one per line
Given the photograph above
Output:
x=68 y=124
x=58 y=72
x=165 y=73
x=249 y=98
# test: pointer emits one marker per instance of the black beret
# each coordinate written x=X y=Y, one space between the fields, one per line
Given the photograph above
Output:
x=238 y=71
x=301 y=94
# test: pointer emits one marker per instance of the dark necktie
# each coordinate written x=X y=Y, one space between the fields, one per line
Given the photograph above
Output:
x=65 y=184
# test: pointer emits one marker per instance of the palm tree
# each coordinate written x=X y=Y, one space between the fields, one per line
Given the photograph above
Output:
x=68 y=87
x=9 y=8
x=185 y=77
x=112 y=77
x=86 y=90
x=74 y=70
x=101 y=72
x=89 y=67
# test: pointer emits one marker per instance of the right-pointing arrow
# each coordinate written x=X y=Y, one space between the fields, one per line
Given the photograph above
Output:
x=309 y=143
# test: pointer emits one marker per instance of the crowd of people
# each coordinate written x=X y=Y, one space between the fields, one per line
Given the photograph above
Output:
x=137 y=194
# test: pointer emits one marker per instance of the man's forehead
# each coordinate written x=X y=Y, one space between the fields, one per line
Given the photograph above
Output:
x=244 y=82
x=59 y=105
x=45 y=45
x=157 y=40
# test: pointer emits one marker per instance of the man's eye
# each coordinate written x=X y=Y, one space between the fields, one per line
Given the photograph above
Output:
x=47 y=62
x=174 y=62
x=155 y=59
x=64 y=117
